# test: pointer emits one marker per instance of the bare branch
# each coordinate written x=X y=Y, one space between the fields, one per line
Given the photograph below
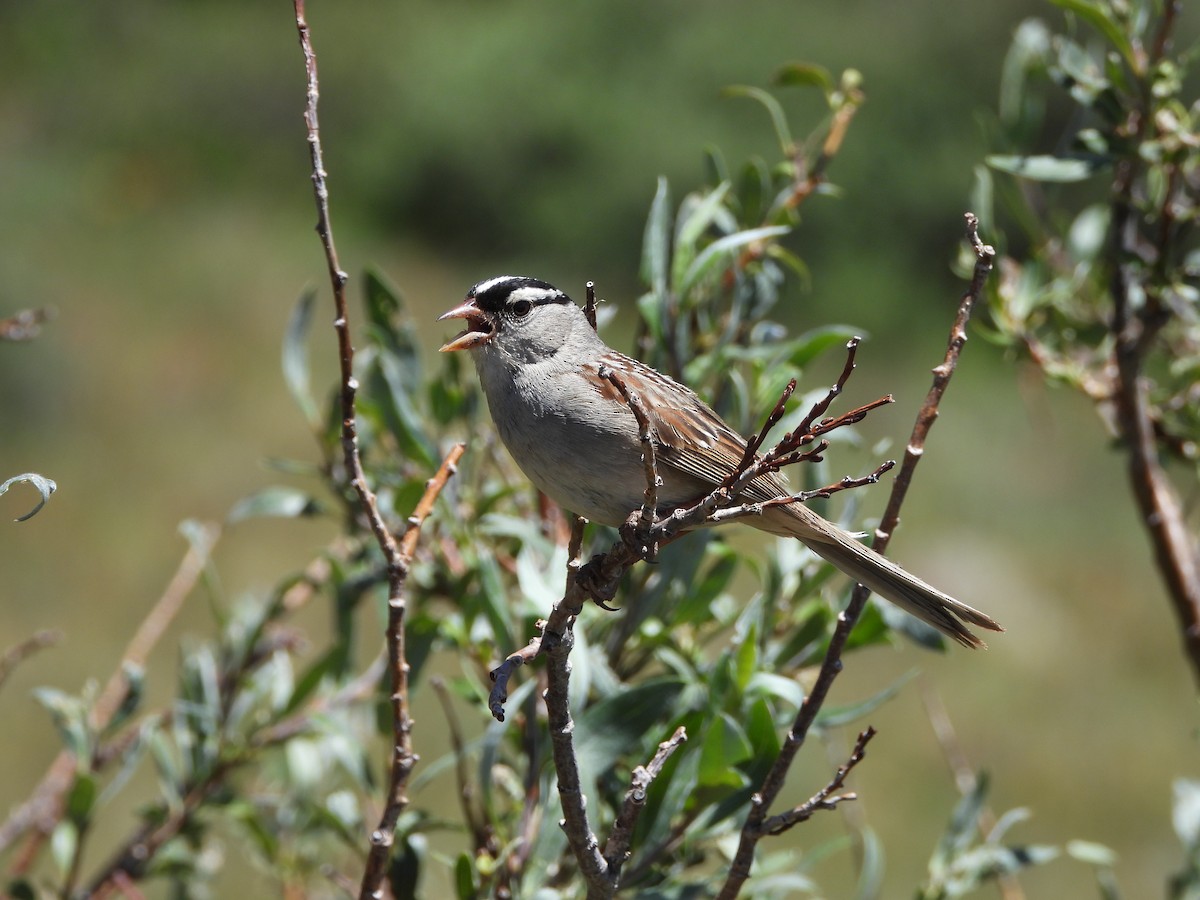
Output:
x=589 y=308
x=647 y=517
x=757 y=441
x=19 y=652
x=616 y=848
x=831 y=665
x=827 y=797
x=42 y=811
x=403 y=757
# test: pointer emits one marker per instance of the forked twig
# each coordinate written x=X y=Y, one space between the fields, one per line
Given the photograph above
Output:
x=753 y=829
x=616 y=848
x=828 y=796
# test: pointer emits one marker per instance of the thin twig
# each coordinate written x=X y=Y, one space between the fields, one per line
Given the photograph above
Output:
x=648 y=514
x=965 y=778
x=1176 y=551
x=18 y=653
x=772 y=420
x=828 y=796
x=584 y=845
x=589 y=308
x=831 y=665
x=616 y=848
x=465 y=792
x=397 y=556
x=402 y=756
x=42 y=811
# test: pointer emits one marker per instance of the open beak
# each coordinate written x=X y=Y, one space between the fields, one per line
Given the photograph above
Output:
x=479 y=328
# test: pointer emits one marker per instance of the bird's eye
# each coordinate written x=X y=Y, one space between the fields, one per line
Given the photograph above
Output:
x=521 y=308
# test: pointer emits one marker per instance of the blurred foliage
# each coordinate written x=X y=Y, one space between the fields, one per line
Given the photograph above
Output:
x=272 y=745
x=272 y=750
x=1100 y=284
x=1055 y=296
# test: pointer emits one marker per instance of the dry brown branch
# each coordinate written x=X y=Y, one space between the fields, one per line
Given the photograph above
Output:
x=397 y=556
x=616 y=848
x=43 y=809
x=19 y=652
x=403 y=759
x=828 y=796
x=589 y=308
x=753 y=830
x=1176 y=550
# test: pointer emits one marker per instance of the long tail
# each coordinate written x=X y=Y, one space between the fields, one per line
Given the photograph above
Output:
x=886 y=578
x=877 y=573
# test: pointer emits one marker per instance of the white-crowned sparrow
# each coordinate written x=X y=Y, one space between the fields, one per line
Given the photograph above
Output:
x=575 y=437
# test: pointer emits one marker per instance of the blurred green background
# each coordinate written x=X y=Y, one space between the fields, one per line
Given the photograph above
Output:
x=156 y=193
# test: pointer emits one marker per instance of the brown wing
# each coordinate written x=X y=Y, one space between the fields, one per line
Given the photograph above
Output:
x=700 y=444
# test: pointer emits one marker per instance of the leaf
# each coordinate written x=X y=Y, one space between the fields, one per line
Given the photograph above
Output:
x=704 y=589
x=70 y=717
x=278 y=502
x=64 y=841
x=804 y=75
x=43 y=485
x=871 y=866
x=1185 y=812
x=295 y=357
x=81 y=799
x=716 y=256
x=391 y=386
x=464 y=878
x=382 y=300
x=833 y=717
x=1097 y=15
x=1047 y=168
x=786 y=145
x=1092 y=853
x=404 y=871
x=691 y=227
x=656 y=242
x=804 y=349
x=725 y=745
x=607 y=731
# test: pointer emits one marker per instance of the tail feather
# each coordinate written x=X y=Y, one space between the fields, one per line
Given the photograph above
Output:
x=907 y=591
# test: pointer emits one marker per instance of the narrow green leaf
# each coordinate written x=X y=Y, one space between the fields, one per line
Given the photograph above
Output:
x=278 y=502
x=382 y=300
x=833 y=717
x=692 y=225
x=871 y=866
x=1098 y=16
x=656 y=242
x=295 y=357
x=718 y=255
x=464 y=878
x=64 y=841
x=745 y=660
x=805 y=75
x=725 y=746
x=786 y=145
x=81 y=799
x=1047 y=168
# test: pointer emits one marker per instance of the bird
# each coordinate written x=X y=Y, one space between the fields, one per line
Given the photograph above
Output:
x=542 y=364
